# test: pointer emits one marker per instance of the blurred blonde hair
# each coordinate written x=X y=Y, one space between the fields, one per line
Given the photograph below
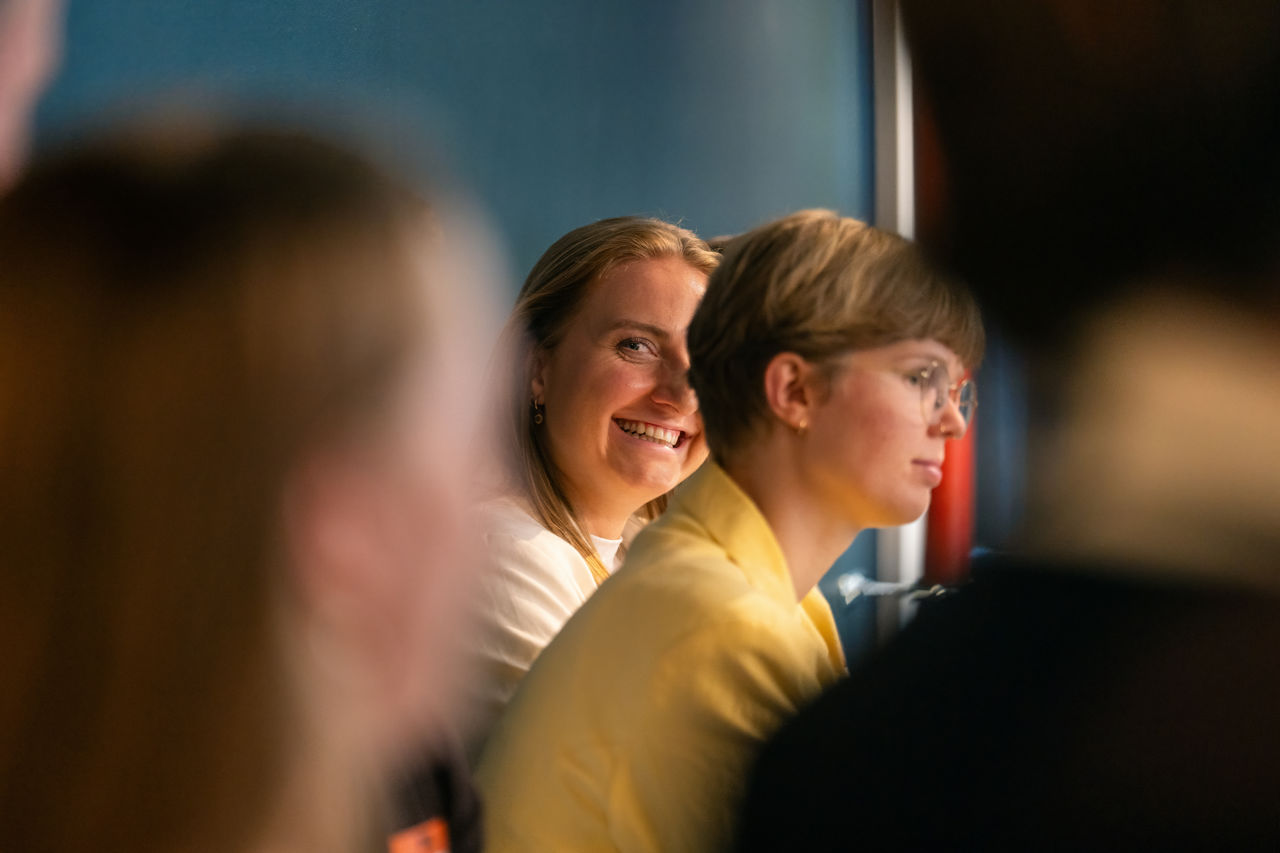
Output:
x=181 y=318
x=547 y=304
x=816 y=284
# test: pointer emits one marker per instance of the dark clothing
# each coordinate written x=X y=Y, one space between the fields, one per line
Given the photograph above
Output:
x=1042 y=708
x=438 y=807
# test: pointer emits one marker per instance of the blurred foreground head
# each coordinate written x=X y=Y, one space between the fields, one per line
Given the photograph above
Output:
x=234 y=410
x=1106 y=175
x=1075 y=146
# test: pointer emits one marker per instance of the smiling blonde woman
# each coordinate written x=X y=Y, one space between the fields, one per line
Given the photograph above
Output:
x=600 y=424
x=830 y=363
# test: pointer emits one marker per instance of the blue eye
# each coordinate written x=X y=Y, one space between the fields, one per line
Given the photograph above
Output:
x=633 y=347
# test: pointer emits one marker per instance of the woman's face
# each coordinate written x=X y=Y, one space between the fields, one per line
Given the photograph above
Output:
x=621 y=422
x=872 y=456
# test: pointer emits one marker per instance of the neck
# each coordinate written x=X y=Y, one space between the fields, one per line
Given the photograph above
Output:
x=1166 y=454
x=600 y=517
x=811 y=537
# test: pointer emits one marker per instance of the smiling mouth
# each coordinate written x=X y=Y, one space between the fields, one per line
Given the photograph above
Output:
x=672 y=438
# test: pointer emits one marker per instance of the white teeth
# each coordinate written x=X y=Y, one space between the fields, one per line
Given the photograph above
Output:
x=658 y=435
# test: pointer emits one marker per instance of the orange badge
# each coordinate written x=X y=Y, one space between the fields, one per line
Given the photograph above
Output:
x=430 y=836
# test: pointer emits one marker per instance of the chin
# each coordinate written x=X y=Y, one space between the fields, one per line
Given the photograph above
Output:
x=904 y=513
x=657 y=490
x=917 y=512
x=644 y=487
x=693 y=462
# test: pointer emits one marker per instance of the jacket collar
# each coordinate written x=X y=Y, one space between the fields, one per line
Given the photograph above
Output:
x=712 y=499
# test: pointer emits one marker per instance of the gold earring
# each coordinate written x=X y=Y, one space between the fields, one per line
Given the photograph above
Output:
x=538 y=409
x=801 y=428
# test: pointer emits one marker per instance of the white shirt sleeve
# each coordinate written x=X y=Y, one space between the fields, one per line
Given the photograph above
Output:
x=533 y=581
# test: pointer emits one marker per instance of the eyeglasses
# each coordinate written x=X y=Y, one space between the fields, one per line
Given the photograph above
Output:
x=936 y=390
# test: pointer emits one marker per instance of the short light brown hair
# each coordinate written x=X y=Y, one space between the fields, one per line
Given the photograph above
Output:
x=549 y=302
x=818 y=285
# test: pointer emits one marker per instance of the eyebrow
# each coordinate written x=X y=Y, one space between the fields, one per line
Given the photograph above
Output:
x=649 y=328
x=940 y=359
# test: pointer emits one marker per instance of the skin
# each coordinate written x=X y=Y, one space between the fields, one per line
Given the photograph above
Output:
x=382 y=559
x=30 y=43
x=382 y=552
x=623 y=361
x=847 y=450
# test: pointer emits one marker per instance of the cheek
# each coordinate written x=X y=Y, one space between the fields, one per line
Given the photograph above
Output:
x=615 y=385
x=875 y=435
x=436 y=557
x=876 y=447
x=431 y=544
x=593 y=394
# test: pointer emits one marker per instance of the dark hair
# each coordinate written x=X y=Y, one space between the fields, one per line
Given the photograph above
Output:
x=1089 y=143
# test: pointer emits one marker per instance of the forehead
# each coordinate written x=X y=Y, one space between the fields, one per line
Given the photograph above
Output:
x=906 y=353
x=663 y=291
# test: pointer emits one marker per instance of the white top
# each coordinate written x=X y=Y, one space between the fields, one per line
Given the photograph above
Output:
x=608 y=551
x=532 y=582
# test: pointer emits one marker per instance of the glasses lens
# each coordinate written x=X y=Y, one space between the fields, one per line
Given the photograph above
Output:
x=933 y=393
x=967 y=400
x=936 y=392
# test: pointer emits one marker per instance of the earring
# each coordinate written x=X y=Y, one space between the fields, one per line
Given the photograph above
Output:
x=538 y=409
x=801 y=428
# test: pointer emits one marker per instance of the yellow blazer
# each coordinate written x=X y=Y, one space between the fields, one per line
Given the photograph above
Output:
x=635 y=728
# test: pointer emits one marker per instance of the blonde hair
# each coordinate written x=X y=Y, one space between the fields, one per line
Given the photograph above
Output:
x=181 y=319
x=818 y=285
x=547 y=304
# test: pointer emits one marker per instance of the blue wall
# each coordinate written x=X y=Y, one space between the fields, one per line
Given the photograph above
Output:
x=722 y=113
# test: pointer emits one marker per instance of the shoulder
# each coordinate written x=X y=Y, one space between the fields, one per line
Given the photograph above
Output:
x=506 y=523
x=519 y=551
x=750 y=630
x=737 y=664
x=508 y=515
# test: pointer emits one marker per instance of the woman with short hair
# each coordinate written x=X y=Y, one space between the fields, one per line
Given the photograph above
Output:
x=831 y=366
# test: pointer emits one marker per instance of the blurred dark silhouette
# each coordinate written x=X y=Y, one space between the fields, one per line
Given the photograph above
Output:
x=1110 y=187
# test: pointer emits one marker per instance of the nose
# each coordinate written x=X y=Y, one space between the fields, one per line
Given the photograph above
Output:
x=951 y=425
x=673 y=389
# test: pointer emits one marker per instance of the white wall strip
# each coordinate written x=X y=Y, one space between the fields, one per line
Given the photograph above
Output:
x=900 y=550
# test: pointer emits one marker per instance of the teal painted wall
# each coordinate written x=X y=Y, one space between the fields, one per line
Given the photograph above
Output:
x=722 y=113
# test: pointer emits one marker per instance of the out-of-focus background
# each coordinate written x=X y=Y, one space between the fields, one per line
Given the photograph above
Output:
x=719 y=114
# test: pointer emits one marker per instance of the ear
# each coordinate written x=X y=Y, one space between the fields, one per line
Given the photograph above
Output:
x=350 y=602
x=790 y=389
x=537 y=372
x=331 y=540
